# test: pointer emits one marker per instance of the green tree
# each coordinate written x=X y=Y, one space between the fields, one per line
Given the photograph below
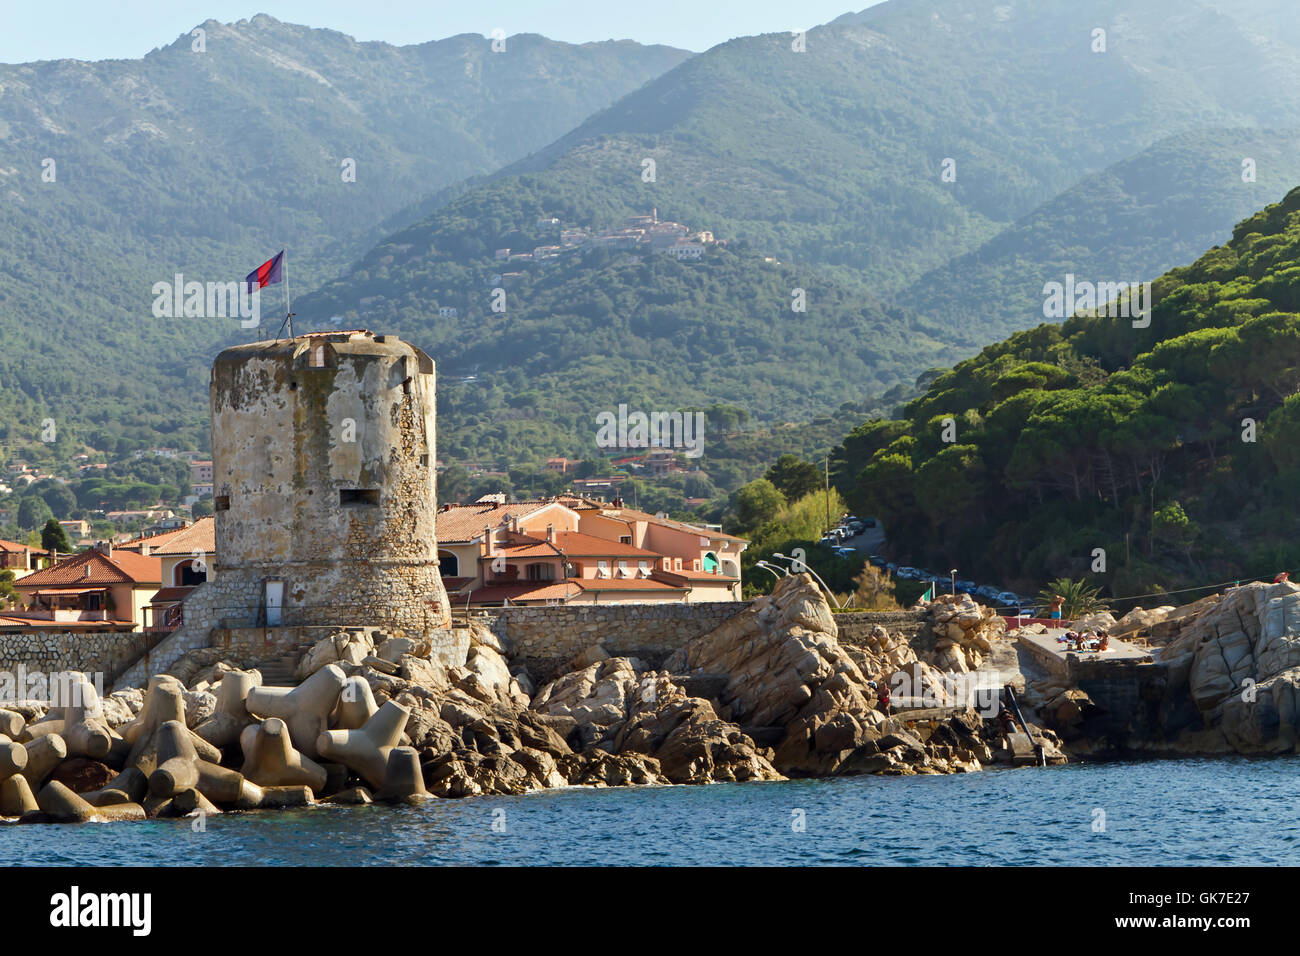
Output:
x=757 y=503
x=33 y=512
x=1171 y=525
x=55 y=538
x=1079 y=598
x=60 y=498
x=794 y=477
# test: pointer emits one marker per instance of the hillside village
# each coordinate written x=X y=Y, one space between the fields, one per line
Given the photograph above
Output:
x=646 y=234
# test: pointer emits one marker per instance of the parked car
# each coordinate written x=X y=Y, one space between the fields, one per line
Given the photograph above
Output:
x=1009 y=599
x=967 y=587
x=829 y=541
x=847 y=552
x=877 y=560
x=988 y=592
x=908 y=573
x=868 y=522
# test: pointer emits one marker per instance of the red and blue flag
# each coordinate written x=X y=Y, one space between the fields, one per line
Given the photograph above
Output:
x=268 y=273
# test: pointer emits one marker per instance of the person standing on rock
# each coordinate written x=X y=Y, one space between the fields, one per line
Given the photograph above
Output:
x=1057 y=602
x=882 y=698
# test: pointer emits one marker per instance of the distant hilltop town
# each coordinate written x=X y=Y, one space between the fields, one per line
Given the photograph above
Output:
x=638 y=234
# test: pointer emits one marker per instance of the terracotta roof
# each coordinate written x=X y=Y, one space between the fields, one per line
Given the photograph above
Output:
x=124 y=567
x=171 y=595
x=200 y=536
x=524 y=546
x=516 y=592
x=578 y=544
x=559 y=591
x=455 y=584
x=465 y=522
x=153 y=540
x=17 y=548
x=631 y=514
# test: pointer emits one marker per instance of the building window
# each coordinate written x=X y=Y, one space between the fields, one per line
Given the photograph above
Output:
x=221 y=503
x=359 y=496
x=317 y=357
x=188 y=574
x=625 y=539
x=448 y=564
x=541 y=572
x=711 y=562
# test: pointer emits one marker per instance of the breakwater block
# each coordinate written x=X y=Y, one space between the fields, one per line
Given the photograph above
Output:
x=365 y=751
x=305 y=709
x=16 y=797
x=270 y=759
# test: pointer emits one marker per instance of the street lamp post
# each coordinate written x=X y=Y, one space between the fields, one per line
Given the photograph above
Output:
x=804 y=566
x=772 y=569
x=953 y=574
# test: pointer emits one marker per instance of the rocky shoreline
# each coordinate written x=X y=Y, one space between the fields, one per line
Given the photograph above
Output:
x=770 y=694
x=1225 y=680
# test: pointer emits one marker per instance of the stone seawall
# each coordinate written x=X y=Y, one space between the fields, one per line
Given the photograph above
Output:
x=853 y=629
x=102 y=652
x=546 y=639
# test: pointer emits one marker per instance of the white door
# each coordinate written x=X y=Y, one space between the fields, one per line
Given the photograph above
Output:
x=274 y=599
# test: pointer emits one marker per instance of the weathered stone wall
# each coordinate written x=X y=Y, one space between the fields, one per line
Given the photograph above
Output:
x=104 y=653
x=854 y=628
x=546 y=639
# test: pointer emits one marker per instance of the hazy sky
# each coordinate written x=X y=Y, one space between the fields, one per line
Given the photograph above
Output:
x=108 y=29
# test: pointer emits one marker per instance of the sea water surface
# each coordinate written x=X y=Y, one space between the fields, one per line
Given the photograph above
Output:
x=1222 y=811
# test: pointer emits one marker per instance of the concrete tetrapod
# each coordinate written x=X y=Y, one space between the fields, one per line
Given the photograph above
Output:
x=403 y=779
x=305 y=709
x=177 y=761
x=11 y=724
x=231 y=716
x=163 y=702
x=356 y=705
x=271 y=761
x=43 y=755
x=16 y=797
x=78 y=718
x=366 y=749
x=13 y=758
x=222 y=785
x=58 y=804
x=129 y=786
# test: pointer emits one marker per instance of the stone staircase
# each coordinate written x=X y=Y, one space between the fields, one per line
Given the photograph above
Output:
x=278 y=671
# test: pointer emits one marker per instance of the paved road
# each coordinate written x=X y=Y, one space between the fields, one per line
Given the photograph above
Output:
x=869 y=541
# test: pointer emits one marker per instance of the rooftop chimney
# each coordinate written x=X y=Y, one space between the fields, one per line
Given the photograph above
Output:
x=550 y=533
x=487 y=540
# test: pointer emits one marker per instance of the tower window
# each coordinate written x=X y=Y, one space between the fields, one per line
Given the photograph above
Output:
x=221 y=503
x=359 y=496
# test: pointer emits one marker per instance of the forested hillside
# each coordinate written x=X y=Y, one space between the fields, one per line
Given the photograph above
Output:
x=1174 y=448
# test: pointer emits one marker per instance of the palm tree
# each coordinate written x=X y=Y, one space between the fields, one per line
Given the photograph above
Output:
x=1079 y=598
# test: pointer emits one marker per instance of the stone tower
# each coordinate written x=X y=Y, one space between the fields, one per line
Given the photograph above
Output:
x=323 y=476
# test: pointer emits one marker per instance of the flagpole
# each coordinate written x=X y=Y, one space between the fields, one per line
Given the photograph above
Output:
x=288 y=313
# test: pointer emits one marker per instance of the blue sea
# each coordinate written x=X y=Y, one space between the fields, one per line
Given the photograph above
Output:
x=1223 y=811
